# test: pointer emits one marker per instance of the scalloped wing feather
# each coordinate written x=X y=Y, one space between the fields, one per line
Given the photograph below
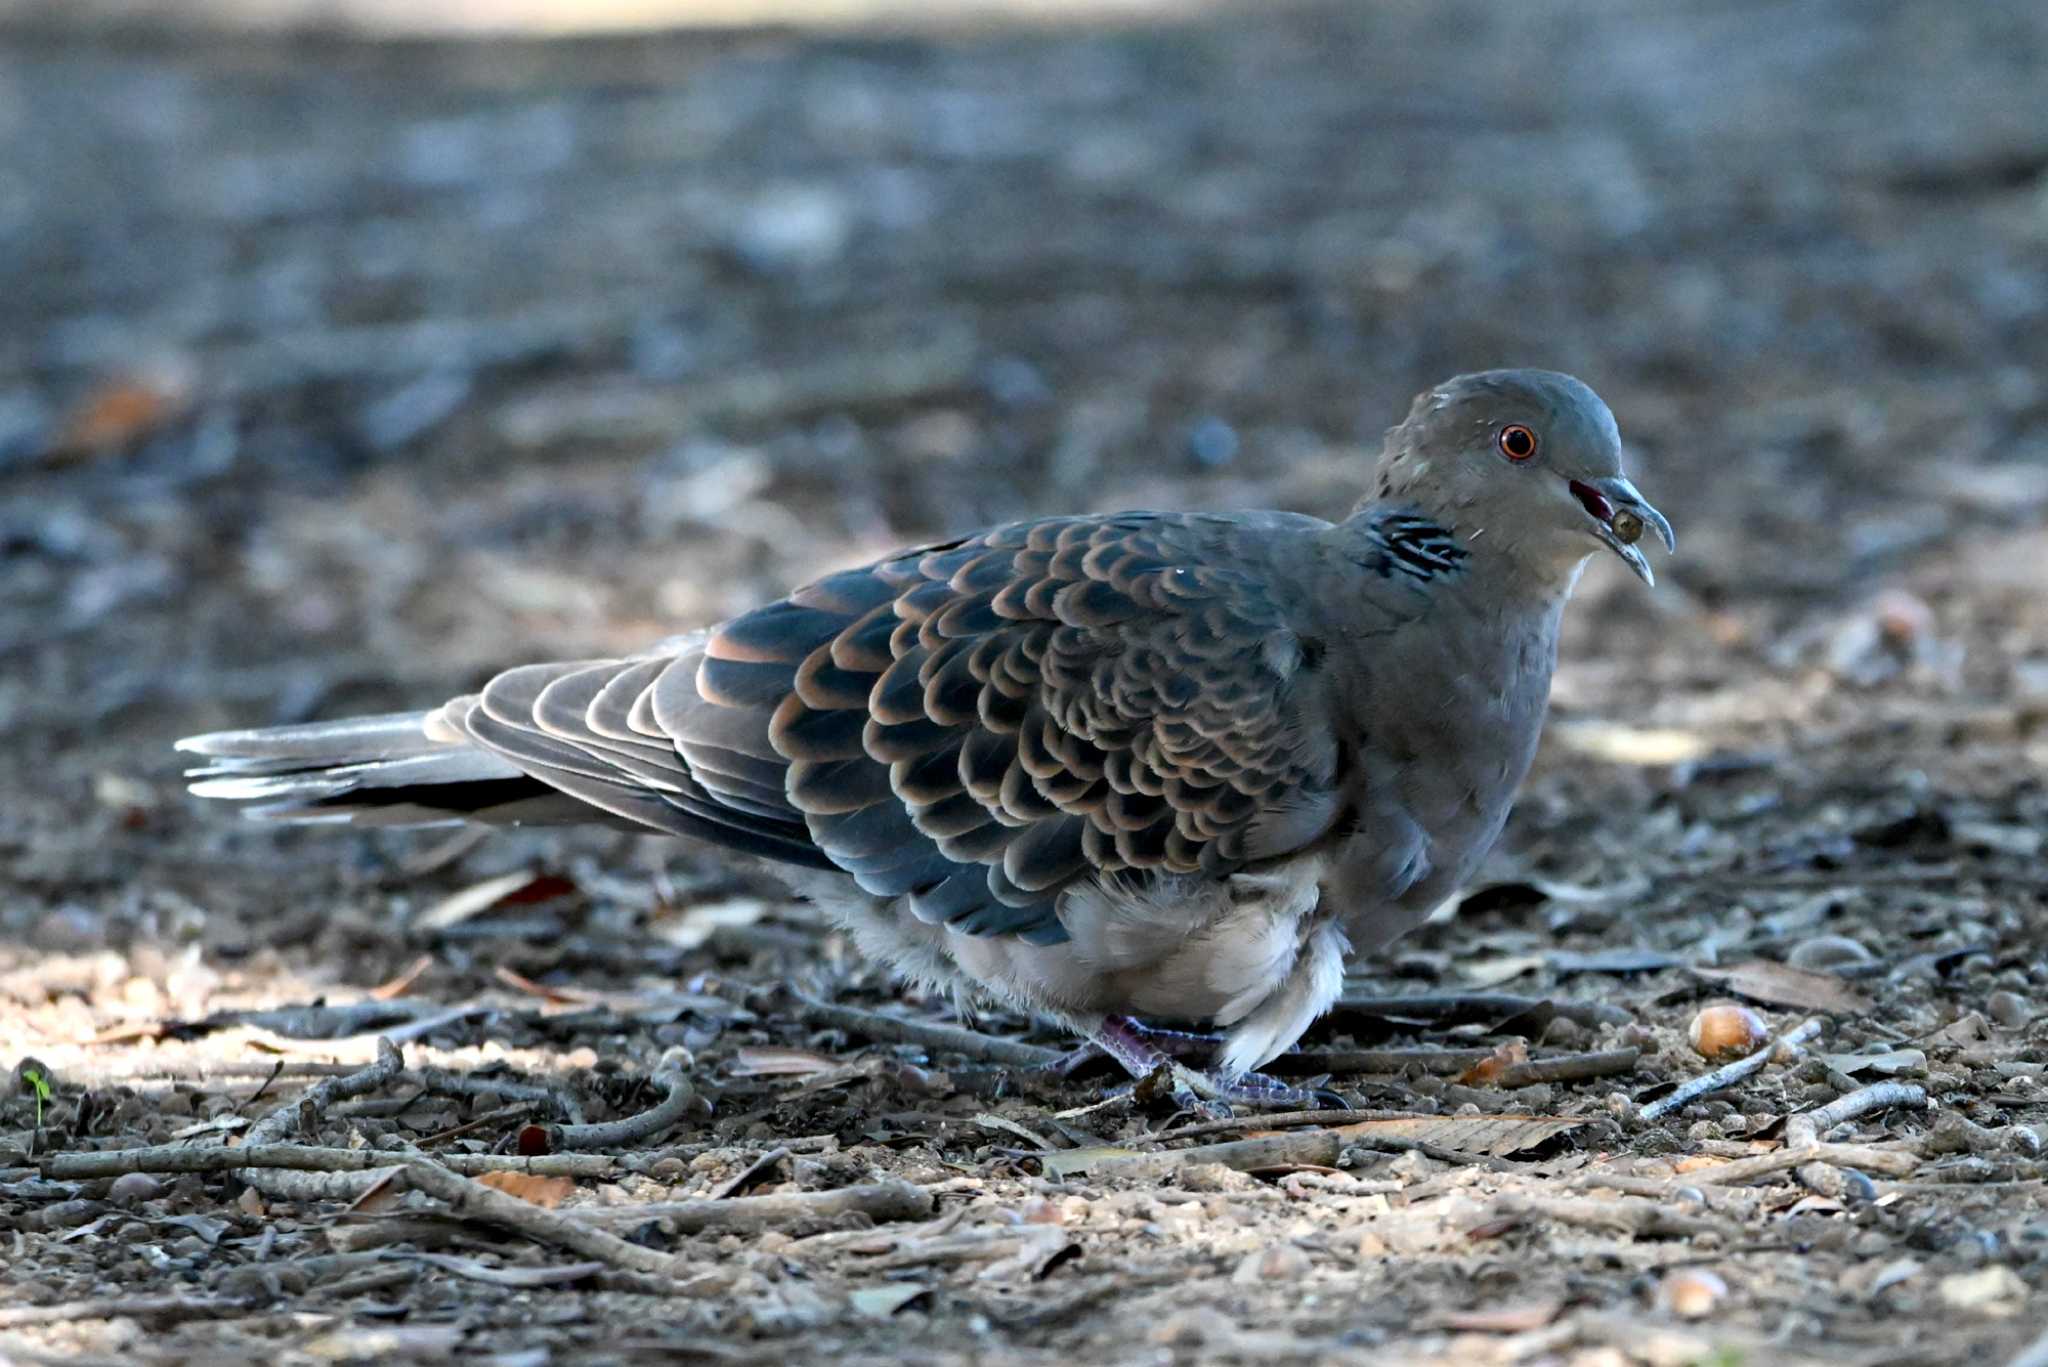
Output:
x=975 y=724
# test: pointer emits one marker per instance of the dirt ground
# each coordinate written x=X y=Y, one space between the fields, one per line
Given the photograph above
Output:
x=335 y=375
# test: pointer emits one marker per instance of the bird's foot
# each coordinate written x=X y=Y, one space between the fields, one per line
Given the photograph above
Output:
x=1147 y=1055
x=1134 y=1046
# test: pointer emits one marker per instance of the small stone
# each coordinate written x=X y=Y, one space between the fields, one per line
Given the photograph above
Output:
x=1995 y=1290
x=1275 y=1263
x=68 y=1214
x=2009 y=1009
x=1208 y=1177
x=131 y=1187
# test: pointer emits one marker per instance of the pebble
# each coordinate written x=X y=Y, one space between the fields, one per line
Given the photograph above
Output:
x=1995 y=1290
x=68 y=1214
x=131 y=1187
x=1282 y=1263
x=2009 y=1009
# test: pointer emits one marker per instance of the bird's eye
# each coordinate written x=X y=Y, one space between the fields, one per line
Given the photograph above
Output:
x=1516 y=442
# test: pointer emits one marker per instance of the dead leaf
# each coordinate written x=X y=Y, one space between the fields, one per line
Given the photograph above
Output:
x=1894 y=1063
x=1495 y=1135
x=381 y=1195
x=545 y=1192
x=1968 y=1028
x=1488 y=1070
x=768 y=1061
x=207 y=1227
x=118 y=414
x=1777 y=984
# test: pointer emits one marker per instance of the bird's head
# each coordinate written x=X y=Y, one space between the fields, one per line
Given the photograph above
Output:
x=1528 y=460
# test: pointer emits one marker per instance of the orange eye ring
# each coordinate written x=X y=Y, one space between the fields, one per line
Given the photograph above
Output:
x=1516 y=442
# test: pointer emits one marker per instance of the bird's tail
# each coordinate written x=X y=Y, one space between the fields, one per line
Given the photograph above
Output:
x=399 y=769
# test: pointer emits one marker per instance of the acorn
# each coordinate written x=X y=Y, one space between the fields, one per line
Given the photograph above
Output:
x=1727 y=1031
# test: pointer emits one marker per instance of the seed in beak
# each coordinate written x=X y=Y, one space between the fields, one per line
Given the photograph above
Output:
x=1626 y=526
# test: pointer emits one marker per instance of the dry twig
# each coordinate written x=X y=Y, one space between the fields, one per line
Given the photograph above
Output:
x=645 y=1124
x=1567 y=1068
x=1729 y=1075
x=473 y=1200
x=932 y=1035
x=1804 y=1130
x=1629 y=1215
x=880 y=1201
x=312 y=1158
x=1310 y=1148
x=320 y=1185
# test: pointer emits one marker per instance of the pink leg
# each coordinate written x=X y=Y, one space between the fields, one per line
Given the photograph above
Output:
x=1142 y=1050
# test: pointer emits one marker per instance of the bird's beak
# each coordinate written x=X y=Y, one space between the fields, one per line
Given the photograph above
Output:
x=1619 y=515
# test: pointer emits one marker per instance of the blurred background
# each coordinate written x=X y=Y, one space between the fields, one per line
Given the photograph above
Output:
x=351 y=350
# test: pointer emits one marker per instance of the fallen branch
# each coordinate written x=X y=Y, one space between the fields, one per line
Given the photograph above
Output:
x=467 y=1199
x=951 y=1039
x=1641 y=1218
x=272 y=1129
x=1803 y=1131
x=1728 y=1076
x=1388 y=1143
x=446 y=1082
x=881 y=1201
x=1277 y=1121
x=1311 y=1148
x=1886 y=1162
x=614 y=1133
x=1567 y=1068
x=72 y=1167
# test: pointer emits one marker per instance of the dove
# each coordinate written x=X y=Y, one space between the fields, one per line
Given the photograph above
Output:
x=1107 y=769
